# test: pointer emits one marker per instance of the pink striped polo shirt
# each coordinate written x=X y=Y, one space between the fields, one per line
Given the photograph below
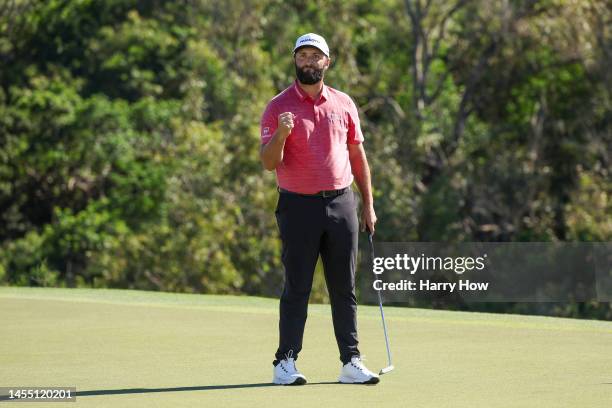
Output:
x=316 y=156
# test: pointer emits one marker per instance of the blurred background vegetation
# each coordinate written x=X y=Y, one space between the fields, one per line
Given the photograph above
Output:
x=129 y=132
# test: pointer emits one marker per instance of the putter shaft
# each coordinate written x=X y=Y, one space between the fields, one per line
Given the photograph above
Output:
x=382 y=315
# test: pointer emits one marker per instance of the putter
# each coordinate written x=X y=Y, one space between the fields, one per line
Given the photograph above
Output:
x=382 y=314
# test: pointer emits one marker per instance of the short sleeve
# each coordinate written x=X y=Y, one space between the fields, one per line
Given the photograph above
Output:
x=268 y=124
x=355 y=136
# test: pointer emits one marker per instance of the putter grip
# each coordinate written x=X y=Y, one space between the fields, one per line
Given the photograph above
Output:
x=370 y=241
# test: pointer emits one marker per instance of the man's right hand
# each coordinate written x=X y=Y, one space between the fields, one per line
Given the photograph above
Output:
x=272 y=152
x=285 y=123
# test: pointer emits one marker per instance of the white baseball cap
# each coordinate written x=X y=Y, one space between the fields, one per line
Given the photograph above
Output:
x=313 y=40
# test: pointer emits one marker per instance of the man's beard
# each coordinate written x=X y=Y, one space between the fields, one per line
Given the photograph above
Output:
x=309 y=77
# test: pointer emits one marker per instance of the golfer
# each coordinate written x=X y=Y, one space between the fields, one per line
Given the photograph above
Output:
x=310 y=134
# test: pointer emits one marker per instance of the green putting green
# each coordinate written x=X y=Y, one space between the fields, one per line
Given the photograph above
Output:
x=147 y=349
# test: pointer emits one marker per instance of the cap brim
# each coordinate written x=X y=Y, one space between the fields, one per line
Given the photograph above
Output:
x=309 y=45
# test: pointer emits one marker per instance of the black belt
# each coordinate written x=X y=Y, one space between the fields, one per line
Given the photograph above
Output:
x=324 y=194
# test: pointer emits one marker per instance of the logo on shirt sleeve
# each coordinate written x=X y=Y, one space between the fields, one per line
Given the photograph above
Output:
x=266 y=131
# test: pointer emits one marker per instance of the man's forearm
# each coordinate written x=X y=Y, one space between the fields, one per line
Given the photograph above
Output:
x=271 y=154
x=361 y=172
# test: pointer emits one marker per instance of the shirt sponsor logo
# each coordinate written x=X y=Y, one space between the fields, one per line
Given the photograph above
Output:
x=334 y=117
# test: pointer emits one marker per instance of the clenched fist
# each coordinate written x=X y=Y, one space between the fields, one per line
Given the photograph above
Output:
x=285 y=123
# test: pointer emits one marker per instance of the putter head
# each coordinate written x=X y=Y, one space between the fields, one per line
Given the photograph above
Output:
x=386 y=370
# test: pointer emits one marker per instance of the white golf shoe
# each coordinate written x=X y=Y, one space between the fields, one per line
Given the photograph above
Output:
x=355 y=372
x=286 y=373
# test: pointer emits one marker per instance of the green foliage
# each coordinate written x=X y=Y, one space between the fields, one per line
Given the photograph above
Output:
x=23 y=262
x=129 y=132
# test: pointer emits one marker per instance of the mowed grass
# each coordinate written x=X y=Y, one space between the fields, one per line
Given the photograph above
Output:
x=145 y=349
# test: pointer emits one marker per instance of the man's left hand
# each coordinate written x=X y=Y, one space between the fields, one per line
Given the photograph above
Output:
x=368 y=219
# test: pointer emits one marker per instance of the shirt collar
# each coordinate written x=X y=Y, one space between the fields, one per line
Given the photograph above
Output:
x=303 y=95
x=324 y=93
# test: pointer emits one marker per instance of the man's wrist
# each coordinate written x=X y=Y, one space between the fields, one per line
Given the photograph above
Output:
x=366 y=200
x=282 y=136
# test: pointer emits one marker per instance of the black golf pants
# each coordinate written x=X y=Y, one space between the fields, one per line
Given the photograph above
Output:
x=310 y=226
